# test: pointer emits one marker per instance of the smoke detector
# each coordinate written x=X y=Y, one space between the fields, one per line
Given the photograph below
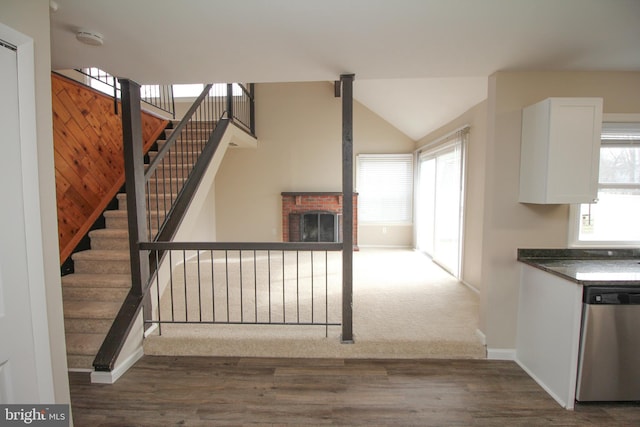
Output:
x=91 y=38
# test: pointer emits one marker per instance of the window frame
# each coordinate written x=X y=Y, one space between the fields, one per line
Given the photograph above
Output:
x=410 y=160
x=574 y=209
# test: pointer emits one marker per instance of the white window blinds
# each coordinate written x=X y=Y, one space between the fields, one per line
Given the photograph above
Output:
x=385 y=188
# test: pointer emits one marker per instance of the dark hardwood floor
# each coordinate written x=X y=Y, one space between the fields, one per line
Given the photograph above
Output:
x=201 y=391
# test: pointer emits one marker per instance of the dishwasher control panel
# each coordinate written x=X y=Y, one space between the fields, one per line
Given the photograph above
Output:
x=611 y=295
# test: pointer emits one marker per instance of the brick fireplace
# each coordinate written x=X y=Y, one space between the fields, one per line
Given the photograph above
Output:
x=315 y=216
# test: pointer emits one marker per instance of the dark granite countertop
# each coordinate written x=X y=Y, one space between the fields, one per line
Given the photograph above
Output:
x=587 y=267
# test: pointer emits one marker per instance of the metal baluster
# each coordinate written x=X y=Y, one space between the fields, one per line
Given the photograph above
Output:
x=158 y=293
x=284 y=311
x=184 y=277
x=298 y=286
x=269 y=272
x=213 y=291
x=312 y=291
x=199 y=287
x=255 y=285
x=226 y=262
x=173 y=317
x=241 y=286
x=326 y=293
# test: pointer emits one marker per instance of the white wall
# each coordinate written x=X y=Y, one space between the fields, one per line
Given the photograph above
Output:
x=299 y=129
x=509 y=225
x=31 y=17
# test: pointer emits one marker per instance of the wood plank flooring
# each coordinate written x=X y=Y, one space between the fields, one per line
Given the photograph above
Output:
x=205 y=391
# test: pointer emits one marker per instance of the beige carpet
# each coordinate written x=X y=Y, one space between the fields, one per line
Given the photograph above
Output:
x=404 y=306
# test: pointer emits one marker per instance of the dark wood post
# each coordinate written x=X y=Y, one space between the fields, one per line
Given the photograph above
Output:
x=347 y=207
x=134 y=178
x=230 y=101
x=252 y=109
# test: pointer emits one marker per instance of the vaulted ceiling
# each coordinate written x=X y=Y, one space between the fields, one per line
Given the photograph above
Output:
x=418 y=63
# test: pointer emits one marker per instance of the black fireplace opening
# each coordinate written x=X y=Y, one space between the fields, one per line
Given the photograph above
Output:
x=319 y=226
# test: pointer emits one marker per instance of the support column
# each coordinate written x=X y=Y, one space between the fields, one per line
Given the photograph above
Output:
x=347 y=207
x=134 y=178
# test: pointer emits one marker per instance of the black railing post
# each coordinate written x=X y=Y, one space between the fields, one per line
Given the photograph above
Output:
x=252 y=109
x=347 y=207
x=230 y=101
x=173 y=102
x=134 y=179
x=115 y=96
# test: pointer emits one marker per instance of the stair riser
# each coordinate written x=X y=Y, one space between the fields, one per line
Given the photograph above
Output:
x=121 y=223
x=155 y=205
x=174 y=169
x=190 y=133
x=75 y=361
x=94 y=294
x=165 y=187
x=96 y=281
x=109 y=243
x=185 y=150
x=199 y=143
x=83 y=344
x=102 y=267
x=87 y=326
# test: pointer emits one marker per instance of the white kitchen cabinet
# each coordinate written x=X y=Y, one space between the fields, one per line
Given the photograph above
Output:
x=560 y=151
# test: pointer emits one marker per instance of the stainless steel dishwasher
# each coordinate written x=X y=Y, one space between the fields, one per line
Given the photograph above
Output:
x=609 y=360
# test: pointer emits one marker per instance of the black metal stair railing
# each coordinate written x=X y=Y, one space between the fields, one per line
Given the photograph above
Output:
x=158 y=197
x=171 y=166
x=170 y=169
x=157 y=96
x=242 y=283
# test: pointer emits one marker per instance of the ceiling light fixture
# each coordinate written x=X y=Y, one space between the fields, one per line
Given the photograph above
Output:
x=91 y=38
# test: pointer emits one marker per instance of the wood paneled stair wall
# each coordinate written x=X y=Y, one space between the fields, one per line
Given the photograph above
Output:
x=88 y=156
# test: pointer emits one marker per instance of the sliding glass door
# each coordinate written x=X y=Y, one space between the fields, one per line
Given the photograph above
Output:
x=439 y=204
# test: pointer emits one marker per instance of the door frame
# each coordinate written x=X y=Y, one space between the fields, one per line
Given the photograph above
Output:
x=25 y=56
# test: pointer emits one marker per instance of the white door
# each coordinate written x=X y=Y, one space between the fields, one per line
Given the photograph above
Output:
x=18 y=370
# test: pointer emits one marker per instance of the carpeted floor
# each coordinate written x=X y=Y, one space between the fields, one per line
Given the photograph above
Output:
x=404 y=306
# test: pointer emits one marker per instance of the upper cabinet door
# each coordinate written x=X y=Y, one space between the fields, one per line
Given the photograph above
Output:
x=560 y=151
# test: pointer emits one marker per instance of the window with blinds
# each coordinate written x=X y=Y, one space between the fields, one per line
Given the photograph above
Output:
x=612 y=220
x=385 y=188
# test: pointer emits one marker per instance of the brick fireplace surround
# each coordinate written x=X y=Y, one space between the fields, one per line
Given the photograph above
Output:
x=302 y=202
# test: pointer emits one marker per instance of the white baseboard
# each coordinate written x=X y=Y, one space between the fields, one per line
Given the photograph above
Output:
x=470 y=286
x=151 y=330
x=81 y=370
x=98 y=377
x=501 y=354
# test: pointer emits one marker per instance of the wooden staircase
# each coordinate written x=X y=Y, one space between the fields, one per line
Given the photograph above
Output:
x=93 y=294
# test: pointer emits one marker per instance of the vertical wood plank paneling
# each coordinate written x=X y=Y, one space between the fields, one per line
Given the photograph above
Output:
x=88 y=156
